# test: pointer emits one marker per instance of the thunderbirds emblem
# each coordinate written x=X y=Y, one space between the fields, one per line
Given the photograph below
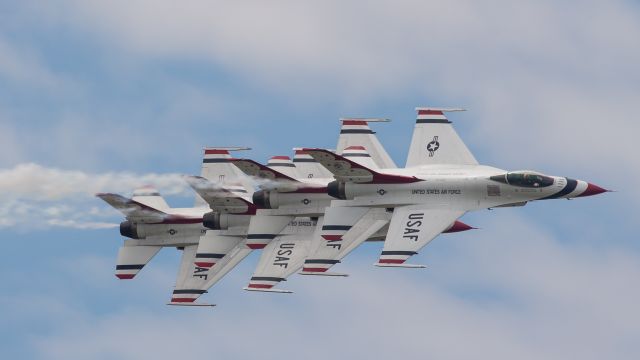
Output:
x=433 y=146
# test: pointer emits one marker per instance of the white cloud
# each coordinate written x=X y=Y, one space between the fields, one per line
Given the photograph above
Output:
x=40 y=196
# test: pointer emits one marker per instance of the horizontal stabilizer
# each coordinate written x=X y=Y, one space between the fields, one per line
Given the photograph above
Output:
x=266 y=177
x=131 y=208
x=347 y=170
x=219 y=198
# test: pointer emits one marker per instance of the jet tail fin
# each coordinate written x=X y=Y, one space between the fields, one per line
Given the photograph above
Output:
x=216 y=167
x=284 y=165
x=356 y=132
x=308 y=167
x=360 y=155
x=435 y=141
x=151 y=197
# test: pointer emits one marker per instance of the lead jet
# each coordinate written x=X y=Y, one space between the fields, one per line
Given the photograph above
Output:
x=441 y=181
x=297 y=195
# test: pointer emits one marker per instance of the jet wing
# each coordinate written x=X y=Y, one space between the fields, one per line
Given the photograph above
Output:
x=228 y=262
x=279 y=259
x=202 y=268
x=341 y=231
x=411 y=229
x=350 y=171
x=188 y=287
x=219 y=198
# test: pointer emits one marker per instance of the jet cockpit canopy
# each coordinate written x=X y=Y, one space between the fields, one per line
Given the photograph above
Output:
x=529 y=179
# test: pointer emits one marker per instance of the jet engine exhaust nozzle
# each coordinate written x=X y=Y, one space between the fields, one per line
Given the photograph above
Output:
x=262 y=199
x=336 y=189
x=211 y=220
x=129 y=229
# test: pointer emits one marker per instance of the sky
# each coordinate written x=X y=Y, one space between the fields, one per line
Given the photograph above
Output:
x=110 y=95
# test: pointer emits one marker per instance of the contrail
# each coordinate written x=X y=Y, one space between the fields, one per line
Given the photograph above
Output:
x=65 y=198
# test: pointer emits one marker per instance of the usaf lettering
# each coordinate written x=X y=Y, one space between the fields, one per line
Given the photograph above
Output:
x=282 y=254
x=198 y=272
x=413 y=226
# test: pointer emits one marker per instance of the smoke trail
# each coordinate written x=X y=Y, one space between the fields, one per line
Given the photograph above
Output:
x=41 y=197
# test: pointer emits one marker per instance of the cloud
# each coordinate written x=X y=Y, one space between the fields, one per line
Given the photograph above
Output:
x=53 y=197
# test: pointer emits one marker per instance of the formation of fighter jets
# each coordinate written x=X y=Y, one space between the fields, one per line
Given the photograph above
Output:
x=307 y=214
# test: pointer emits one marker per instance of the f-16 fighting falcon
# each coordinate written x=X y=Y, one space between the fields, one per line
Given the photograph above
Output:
x=151 y=225
x=441 y=181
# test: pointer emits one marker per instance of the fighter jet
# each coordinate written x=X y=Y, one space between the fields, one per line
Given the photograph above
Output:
x=299 y=196
x=151 y=224
x=441 y=181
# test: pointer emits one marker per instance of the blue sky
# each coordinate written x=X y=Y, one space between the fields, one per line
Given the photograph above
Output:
x=103 y=96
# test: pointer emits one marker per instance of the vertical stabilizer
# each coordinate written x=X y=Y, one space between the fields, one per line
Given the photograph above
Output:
x=151 y=197
x=360 y=155
x=308 y=167
x=435 y=141
x=356 y=132
x=217 y=169
x=284 y=165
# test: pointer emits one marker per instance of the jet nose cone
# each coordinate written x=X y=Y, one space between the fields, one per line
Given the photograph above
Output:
x=592 y=190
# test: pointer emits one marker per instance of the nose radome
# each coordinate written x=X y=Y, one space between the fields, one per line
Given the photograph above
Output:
x=592 y=190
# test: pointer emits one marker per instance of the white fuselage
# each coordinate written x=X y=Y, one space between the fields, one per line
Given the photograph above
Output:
x=457 y=187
